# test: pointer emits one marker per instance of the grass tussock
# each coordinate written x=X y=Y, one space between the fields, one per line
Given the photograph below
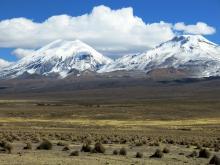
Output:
x=6 y=147
x=45 y=145
x=204 y=153
x=28 y=146
x=157 y=154
x=123 y=151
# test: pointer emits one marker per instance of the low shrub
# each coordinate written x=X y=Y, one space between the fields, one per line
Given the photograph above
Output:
x=115 y=152
x=86 y=148
x=166 y=150
x=158 y=154
x=74 y=153
x=61 y=144
x=6 y=146
x=123 y=151
x=215 y=160
x=99 y=148
x=193 y=154
x=45 y=145
x=203 y=153
x=66 y=148
x=28 y=146
x=139 y=155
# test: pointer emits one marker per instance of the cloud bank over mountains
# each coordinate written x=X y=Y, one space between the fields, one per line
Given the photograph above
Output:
x=108 y=31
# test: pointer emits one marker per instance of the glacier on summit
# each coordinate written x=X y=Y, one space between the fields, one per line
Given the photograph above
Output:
x=194 y=54
x=59 y=57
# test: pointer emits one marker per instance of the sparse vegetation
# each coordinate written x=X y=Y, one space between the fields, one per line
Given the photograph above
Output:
x=112 y=126
x=123 y=151
x=166 y=150
x=86 y=148
x=74 y=153
x=115 y=152
x=204 y=153
x=61 y=143
x=139 y=155
x=28 y=146
x=6 y=146
x=215 y=160
x=158 y=154
x=99 y=148
x=193 y=154
x=45 y=145
x=66 y=148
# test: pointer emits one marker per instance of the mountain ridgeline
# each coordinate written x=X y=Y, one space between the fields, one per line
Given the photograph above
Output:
x=185 y=56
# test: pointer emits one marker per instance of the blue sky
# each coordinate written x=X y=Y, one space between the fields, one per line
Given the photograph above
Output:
x=152 y=11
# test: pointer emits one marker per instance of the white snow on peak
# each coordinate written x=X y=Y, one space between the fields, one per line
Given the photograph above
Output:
x=191 y=52
x=60 y=57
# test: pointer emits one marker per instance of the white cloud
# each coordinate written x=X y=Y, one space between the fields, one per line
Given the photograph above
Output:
x=200 y=28
x=4 y=63
x=109 y=31
x=20 y=53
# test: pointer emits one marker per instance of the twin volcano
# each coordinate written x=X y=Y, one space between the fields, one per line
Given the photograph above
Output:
x=190 y=55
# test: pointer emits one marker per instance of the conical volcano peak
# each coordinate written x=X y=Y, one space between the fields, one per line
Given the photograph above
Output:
x=193 y=39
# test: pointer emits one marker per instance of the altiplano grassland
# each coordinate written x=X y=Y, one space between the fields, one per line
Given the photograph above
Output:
x=182 y=126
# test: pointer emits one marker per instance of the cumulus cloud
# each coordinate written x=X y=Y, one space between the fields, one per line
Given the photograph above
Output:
x=109 y=31
x=4 y=63
x=200 y=28
x=20 y=53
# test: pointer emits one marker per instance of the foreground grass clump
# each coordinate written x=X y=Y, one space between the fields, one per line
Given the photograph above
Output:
x=193 y=154
x=45 y=145
x=74 y=153
x=204 y=153
x=166 y=150
x=6 y=146
x=66 y=148
x=61 y=144
x=98 y=148
x=158 y=154
x=139 y=155
x=115 y=152
x=123 y=151
x=28 y=146
x=86 y=148
x=215 y=160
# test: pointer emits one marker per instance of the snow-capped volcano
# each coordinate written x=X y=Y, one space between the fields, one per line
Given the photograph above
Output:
x=192 y=53
x=59 y=57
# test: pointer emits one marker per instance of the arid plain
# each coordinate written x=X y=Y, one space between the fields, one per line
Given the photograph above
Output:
x=109 y=121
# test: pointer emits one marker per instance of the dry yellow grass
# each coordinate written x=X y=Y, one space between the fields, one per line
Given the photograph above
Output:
x=118 y=123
